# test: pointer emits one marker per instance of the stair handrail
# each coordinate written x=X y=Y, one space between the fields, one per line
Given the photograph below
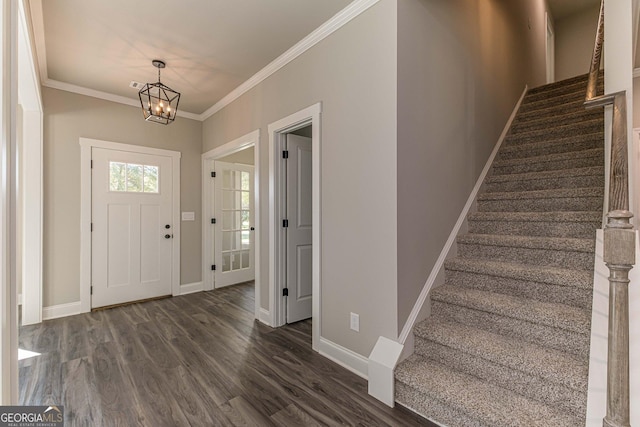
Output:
x=619 y=242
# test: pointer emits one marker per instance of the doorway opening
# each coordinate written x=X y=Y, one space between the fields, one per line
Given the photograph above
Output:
x=231 y=215
x=294 y=220
x=130 y=223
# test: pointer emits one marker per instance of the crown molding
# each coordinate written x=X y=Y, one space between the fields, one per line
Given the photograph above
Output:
x=68 y=87
x=338 y=21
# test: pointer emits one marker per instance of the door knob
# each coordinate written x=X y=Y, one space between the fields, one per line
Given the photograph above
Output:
x=168 y=236
x=167 y=226
x=252 y=228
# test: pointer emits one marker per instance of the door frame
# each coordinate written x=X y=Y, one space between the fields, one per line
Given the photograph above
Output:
x=252 y=139
x=86 y=146
x=30 y=179
x=549 y=45
x=277 y=189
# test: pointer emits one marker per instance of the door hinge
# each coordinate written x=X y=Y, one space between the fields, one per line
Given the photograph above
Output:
x=213 y=174
x=213 y=220
x=92 y=290
x=285 y=154
x=91 y=164
x=91 y=226
x=213 y=267
x=285 y=223
x=285 y=292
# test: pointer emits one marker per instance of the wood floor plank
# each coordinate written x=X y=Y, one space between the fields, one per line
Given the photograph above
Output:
x=194 y=360
x=117 y=400
x=77 y=388
x=293 y=415
x=154 y=401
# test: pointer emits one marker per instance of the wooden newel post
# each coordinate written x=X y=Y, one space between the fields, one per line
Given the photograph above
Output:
x=619 y=255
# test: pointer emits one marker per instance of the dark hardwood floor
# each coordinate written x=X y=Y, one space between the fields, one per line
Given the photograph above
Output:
x=198 y=360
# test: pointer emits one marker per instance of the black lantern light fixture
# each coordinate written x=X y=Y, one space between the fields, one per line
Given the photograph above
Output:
x=159 y=102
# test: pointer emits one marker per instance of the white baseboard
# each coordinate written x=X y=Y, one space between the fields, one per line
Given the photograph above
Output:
x=191 y=288
x=61 y=310
x=265 y=316
x=462 y=219
x=344 y=357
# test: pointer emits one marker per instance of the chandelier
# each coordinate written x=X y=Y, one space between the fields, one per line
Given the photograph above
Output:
x=159 y=102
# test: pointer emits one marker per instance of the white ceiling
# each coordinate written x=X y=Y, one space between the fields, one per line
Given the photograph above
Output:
x=210 y=46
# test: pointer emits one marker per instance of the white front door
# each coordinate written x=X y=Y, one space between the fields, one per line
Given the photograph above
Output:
x=299 y=227
x=233 y=237
x=131 y=241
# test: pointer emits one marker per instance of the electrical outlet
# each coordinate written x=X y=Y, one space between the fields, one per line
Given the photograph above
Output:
x=355 y=322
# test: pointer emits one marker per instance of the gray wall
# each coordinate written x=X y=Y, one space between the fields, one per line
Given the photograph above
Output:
x=574 y=37
x=67 y=117
x=353 y=74
x=462 y=65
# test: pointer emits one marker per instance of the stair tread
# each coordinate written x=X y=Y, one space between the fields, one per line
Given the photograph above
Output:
x=544 y=194
x=534 y=176
x=541 y=119
x=531 y=242
x=560 y=216
x=550 y=143
x=530 y=359
x=571 y=81
x=570 y=127
x=491 y=405
x=554 y=315
x=592 y=152
x=551 y=275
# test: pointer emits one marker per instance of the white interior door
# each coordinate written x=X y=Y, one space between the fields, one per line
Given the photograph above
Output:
x=131 y=241
x=233 y=237
x=299 y=238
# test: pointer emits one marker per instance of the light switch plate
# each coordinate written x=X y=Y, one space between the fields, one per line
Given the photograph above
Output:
x=188 y=216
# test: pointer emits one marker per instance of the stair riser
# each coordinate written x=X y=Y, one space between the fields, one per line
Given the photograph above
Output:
x=541 y=257
x=544 y=292
x=561 y=109
x=552 y=337
x=543 y=135
x=568 y=204
x=431 y=408
x=577 y=83
x=552 y=165
x=548 y=120
x=567 y=101
x=564 y=95
x=519 y=382
x=532 y=150
x=584 y=230
x=546 y=184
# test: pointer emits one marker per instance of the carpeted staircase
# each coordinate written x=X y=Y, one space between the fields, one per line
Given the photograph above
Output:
x=507 y=343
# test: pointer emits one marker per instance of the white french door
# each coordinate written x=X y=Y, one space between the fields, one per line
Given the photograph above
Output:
x=233 y=236
x=131 y=215
x=299 y=228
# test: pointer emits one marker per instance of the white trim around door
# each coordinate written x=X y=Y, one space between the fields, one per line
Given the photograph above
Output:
x=239 y=144
x=277 y=136
x=30 y=170
x=86 y=145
